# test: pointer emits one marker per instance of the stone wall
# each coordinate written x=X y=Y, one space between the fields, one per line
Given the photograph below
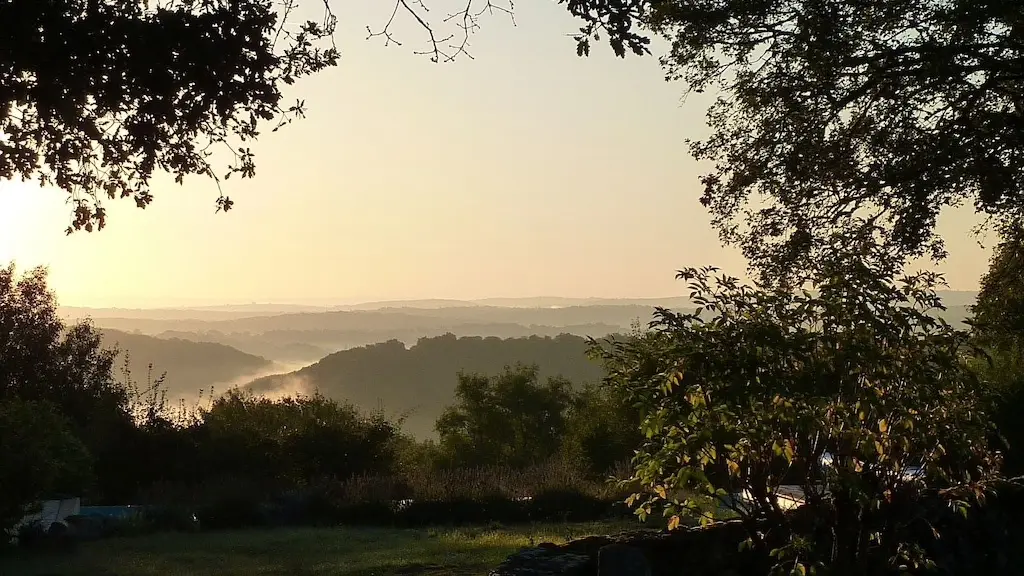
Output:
x=989 y=542
x=708 y=551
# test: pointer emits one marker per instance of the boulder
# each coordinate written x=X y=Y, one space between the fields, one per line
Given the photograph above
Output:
x=622 y=560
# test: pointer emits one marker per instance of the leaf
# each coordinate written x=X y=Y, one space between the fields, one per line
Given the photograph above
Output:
x=673 y=522
x=883 y=426
x=734 y=467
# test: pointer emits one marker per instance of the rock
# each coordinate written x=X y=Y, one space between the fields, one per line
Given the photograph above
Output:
x=622 y=560
x=545 y=562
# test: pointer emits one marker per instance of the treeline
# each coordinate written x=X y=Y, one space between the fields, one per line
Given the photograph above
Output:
x=70 y=426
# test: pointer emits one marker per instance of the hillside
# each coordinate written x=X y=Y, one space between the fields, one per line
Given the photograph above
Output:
x=190 y=366
x=422 y=378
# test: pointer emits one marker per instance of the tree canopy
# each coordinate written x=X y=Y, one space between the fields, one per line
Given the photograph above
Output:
x=835 y=116
x=998 y=314
x=97 y=95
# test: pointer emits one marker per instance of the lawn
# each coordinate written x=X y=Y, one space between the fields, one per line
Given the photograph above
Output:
x=300 y=552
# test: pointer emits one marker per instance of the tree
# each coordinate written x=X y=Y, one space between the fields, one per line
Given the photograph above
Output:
x=838 y=116
x=857 y=395
x=506 y=420
x=98 y=95
x=998 y=312
x=42 y=359
x=65 y=367
x=41 y=458
x=294 y=440
x=997 y=322
x=602 y=429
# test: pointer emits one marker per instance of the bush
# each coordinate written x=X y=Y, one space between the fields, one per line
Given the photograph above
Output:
x=846 y=393
x=39 y=457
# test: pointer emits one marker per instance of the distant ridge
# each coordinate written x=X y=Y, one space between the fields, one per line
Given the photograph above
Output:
x=951 y=298
x=236 y=311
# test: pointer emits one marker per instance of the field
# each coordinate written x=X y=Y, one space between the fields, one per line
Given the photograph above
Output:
x=299 y=552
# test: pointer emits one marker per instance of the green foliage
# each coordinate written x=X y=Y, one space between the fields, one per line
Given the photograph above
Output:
x=835 y=115
x=997 y=322
x=99 y=94
x=44 y=360
x=506 y=420
x=602 y=429
x=998 y=314
x=293 y=440
x=41 y=458
x=843 y=394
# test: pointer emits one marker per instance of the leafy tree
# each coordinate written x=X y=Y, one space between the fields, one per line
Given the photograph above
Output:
x=41 y=458
x=294 y=440
x=602 y=429
x=835 y=116
x=44 y=360
x=997 y=320
x=857 y=395
x=998 y=313
x=99 y=94
x=506 y=420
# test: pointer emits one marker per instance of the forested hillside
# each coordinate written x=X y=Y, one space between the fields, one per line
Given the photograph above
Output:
x=422 y=378
x=190 y=366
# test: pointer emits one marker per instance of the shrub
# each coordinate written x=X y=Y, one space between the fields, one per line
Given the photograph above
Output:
x=844 y=393
x=39 y=457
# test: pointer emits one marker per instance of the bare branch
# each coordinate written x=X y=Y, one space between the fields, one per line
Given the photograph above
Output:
x=443 y=48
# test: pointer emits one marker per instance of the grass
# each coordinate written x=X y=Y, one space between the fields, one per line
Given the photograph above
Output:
x=300 y=552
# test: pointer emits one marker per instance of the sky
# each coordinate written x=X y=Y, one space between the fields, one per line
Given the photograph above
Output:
x=525 y=171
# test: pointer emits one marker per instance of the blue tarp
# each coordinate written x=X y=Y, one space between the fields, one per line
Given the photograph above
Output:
x=115 y=512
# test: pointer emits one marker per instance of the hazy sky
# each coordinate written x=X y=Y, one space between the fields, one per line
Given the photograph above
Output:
x=525 y=172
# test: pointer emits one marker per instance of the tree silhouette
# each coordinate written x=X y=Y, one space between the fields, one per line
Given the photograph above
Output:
x=98 y=95
x=836 y=115
x=998 y=314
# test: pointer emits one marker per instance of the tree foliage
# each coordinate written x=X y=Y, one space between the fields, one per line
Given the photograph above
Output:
x=997 y=322
x=602 y=429
x=294 y=440
x=998 y=313
x=855 y=394
x=506 y=420
x=42 y=359
x=41 y=457
x=97 y=95
x=835 y=116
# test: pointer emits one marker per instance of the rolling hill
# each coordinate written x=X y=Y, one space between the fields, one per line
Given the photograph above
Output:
x=422 y=378
x=190 y=366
